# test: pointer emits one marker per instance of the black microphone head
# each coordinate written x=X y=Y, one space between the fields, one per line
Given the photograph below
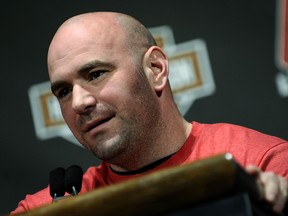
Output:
x=56 y=181
x=73 y=178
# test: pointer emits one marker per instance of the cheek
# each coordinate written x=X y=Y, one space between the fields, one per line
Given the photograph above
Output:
x=131 y=97
x=117 y=92
x=68 y=116
x=70 y=120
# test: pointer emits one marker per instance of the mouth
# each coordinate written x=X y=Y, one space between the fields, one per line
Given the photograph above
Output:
x=95 y=123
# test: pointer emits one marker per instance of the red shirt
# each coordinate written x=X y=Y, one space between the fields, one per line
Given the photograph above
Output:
x=247 y=146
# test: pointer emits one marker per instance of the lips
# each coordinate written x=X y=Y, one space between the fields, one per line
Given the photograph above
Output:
x=95 y=123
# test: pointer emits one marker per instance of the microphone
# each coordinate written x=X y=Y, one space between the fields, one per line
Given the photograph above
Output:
x=73 y=180
x=61 y=181
x=56 y=179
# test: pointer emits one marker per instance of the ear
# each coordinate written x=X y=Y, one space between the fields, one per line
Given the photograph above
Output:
x=156 y=68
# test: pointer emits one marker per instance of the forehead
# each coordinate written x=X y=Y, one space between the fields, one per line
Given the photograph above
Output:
x=84 y=33
x=83 y=38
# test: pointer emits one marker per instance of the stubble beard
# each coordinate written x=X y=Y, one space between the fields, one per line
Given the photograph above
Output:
x=129 y=142
x=108 y=149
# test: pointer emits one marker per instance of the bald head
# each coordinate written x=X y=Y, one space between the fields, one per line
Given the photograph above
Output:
x=103 y=29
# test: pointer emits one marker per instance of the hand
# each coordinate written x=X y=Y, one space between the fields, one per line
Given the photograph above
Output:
x=273 y=188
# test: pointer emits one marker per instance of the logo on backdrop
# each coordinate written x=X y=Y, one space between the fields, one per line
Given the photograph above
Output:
x=281 y=55
x=190 y=78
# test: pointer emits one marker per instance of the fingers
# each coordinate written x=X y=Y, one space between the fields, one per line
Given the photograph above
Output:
x=255 y=172
x=273 y=188
x=251 y=169
x=281 y=199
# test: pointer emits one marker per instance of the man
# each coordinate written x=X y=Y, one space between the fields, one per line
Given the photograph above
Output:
x=111 y=81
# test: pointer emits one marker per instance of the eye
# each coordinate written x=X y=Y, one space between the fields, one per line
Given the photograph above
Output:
x=62 y=93
x=95 y=75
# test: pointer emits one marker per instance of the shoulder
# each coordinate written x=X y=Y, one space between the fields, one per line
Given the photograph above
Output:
x=31 y=201
x=247 y=145
x=232 y=131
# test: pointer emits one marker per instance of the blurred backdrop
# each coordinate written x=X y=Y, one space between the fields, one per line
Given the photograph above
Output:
x=240 y=36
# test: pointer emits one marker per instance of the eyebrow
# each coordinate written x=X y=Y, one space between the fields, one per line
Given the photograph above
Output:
x=82 y=71
x=93 y=64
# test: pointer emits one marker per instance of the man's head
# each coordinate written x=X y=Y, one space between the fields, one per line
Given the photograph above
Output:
x=110 y=78
x=106 y=27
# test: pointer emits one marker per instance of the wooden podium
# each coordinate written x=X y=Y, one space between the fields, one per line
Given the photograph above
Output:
x=204 y=187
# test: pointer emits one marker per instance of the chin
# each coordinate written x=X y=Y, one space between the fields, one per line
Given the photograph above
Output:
x=109 y=149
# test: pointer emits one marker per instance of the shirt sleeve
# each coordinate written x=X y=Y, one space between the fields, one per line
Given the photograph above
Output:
x=40 y=198
x=276 y=160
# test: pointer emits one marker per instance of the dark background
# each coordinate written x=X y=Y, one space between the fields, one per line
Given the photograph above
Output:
x=240 y=37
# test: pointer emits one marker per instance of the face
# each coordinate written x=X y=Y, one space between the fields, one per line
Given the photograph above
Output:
x=104 y=95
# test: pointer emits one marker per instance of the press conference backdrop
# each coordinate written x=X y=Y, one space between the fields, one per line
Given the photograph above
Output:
x=242 y=38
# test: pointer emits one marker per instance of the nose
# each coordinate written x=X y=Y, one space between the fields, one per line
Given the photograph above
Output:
x=83 y=100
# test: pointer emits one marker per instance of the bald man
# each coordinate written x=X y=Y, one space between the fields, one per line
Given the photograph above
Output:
x=111 y=81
